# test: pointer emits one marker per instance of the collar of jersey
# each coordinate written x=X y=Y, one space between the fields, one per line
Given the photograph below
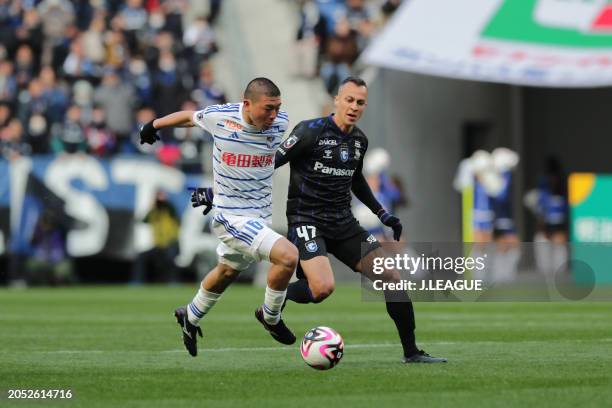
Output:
x=330 y=118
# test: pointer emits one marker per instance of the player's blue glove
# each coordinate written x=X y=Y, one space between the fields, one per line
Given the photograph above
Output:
x=148 y=134
x=202 y=196
x=391 y=221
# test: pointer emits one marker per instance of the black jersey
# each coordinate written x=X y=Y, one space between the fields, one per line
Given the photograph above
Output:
x=325 y=162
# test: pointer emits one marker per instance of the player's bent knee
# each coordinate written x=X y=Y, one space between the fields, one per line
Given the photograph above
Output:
x=290 y=258
x=321 y=292
x=391 y=276
x=228 y=272
x=285 y=254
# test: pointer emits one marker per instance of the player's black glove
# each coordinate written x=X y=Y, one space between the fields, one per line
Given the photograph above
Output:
x=202 y=196
x=391 y=221
x=148 y=134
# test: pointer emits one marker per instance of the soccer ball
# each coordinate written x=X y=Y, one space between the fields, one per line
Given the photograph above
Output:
x=322 y=348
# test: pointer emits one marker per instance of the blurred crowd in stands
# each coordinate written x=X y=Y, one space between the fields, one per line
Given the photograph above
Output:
x=332 y=34
x=81 y=76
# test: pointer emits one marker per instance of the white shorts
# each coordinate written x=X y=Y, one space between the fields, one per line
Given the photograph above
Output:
x=244 y=240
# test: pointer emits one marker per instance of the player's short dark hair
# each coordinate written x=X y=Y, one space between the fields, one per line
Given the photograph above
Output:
x=355 y=80
x=261 y=86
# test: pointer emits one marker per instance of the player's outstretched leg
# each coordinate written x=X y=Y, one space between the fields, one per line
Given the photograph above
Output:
x=299 y=292
x=284 y=258
x=422 y=357
x=188 y=330
x=279 y=331
x=315 y=281
x=188 y=317
x=400 y=309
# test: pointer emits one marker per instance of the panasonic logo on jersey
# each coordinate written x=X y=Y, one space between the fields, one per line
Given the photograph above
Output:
x=332 y=170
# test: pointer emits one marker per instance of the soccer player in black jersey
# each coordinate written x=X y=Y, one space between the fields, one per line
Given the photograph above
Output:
x=326 y=159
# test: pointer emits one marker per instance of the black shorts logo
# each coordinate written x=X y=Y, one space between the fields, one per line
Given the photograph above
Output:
x=311 y=246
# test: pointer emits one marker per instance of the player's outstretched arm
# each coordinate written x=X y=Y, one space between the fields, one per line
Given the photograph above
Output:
x=392 y=222
x=363 y=192
x=202 y=196
x=148 y=133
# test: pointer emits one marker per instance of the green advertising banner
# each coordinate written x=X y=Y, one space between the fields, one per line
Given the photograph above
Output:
x=566 y=23
x=590 y=197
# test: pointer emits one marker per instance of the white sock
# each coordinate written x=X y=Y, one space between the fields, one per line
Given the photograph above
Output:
x=273 y=301
x=200 y=305
x=559 y=257
x=542 y=253
x=505 y=265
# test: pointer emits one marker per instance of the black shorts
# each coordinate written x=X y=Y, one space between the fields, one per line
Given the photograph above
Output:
x=311 y=242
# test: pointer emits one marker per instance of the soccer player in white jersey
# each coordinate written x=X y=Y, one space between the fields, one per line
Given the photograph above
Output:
x=246 y=137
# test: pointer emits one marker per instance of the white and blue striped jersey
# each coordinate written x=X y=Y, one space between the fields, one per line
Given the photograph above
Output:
x=243 y=159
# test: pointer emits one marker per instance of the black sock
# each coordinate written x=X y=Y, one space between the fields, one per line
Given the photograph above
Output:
x=299 y=292
x=402 y=314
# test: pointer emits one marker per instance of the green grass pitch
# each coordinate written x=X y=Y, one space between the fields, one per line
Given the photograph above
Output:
x=120 y=346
